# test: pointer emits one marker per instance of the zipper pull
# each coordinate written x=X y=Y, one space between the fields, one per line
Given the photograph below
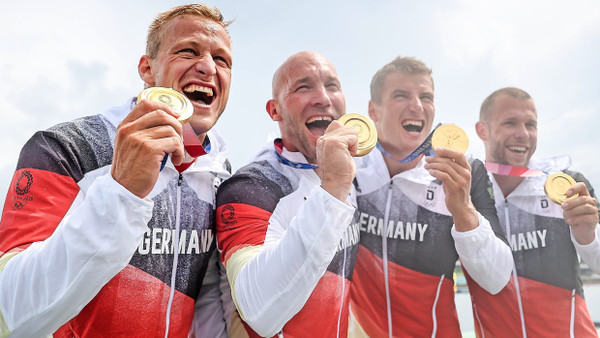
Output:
x=180 y=180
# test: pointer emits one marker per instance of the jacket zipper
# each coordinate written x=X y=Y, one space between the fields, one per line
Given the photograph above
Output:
x=386 y=217
x=175 y=254
x=515 y=276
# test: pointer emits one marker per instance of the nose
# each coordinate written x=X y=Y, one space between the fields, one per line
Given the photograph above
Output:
x=321 y=98
x=522 y=132
x=206 y=65
x=416 y=105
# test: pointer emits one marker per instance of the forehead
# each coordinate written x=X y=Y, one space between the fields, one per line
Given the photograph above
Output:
x=407 y=82
x=191 y=27
x=508 y=107
x=305 y=69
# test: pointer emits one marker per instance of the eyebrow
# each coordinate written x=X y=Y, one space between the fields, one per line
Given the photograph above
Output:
x=301 y=80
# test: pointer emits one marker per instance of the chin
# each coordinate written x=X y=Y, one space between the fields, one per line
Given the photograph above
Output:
x=202 y=124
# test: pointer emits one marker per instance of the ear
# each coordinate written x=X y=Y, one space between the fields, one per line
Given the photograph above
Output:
x=145 y=70
x=273 y=110
x=482 y=130
x=373 y=111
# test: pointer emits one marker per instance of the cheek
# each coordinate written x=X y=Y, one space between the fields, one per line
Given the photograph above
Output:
x=224 y=79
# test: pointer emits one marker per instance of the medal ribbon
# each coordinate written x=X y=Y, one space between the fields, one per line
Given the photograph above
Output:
x=192 y=146
x=509 y=170
x=278 y=143
x=423 y=148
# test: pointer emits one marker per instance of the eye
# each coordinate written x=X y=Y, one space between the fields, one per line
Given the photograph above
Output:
x=334 y=86
x=302 y=88
x=222 y=61
x=531 y=125
x=187 y=52
x=400 y=96
x=427 y=98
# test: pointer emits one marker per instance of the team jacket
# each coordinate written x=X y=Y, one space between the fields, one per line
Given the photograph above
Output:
x=544 y=297
x=288 y=247
x=403 y=278
x=80 y=249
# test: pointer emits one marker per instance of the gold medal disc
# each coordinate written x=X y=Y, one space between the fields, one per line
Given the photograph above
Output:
x=556 y=187
x=367 y=133
x=171 y=98
x=450 y=136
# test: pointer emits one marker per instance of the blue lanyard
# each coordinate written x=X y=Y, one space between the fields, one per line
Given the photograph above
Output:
x=278 y=143
x=423 y=148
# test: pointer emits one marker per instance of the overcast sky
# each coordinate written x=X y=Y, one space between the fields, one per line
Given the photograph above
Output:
x=64 y=59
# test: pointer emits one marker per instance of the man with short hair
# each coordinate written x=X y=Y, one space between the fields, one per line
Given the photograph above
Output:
x=286 y=224
x=545 y=294
x=96 y=238
x=418 y=215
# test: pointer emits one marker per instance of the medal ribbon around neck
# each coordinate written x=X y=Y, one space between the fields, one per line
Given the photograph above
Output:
x=278 y=143
x=192 y=146
x=423 y=148
x=509 y=170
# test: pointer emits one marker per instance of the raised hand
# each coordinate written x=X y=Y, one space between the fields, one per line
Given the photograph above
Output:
x=150 y=131
x=581 y=213
x=452 y=168
x=334 y=158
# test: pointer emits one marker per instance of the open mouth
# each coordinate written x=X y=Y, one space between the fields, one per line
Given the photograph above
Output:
x=413 y=126
x=517 y=149
x=198 y=93
x=317 y=125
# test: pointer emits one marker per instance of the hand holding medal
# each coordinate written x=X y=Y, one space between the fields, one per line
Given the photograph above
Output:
x=149 y=131
x=451 y=167
x=185 y=108
x=580 y=208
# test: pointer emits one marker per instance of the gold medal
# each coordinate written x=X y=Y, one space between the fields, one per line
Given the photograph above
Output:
x=450 y=136
x=367 y=133
x=556 y=187
x=171 y=98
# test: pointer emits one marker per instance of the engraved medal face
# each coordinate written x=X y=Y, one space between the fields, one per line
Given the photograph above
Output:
x=367 y=133
x=450 y=136
x=171 y=98
x=556 y=187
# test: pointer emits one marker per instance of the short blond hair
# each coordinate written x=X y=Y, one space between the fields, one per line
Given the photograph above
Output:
x=488 y=104
x=404 y=65
x=156 y=30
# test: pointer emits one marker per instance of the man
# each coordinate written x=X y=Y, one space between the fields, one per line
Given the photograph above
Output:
x=545 y=296
x=285 y=225
x=418 y=215
x=95 y=239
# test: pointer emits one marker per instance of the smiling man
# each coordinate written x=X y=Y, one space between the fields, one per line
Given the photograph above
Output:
x=418 y=215
x=544 y=297
x=286 y=225
x=97 y=240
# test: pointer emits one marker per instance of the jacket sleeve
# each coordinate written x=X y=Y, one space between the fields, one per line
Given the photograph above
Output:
x=275 y=259
x=483 y=251
x=590 y=253
x=60 y=244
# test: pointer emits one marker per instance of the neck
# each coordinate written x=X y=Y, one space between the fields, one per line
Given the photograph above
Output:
x=508 y=183
x=395 y=167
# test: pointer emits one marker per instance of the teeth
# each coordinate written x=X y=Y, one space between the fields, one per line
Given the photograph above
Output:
x=319 y=118
x=198 y=88
x=517 y=149
x=413 y=122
